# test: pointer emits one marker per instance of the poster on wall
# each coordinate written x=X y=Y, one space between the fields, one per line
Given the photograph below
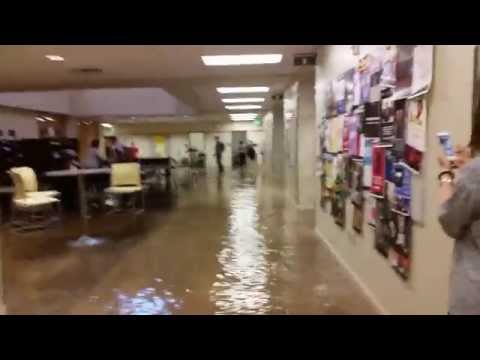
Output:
x=367 y=161
x=378 y=170
x=365 y=83
x=387 y=121
x=375 y=70
x=404 y=71
x=339 y=93
x=417 y=124
x=339 y=191
x=403 y=190
x=371 y=126
x=354 y=135
x=357 y=89
x=422 y=69
x=330 y=99
x=356 y=196
x=349 y=95
x=371 y=210
x=389 y=65
x=400 y=245
x=383 y=227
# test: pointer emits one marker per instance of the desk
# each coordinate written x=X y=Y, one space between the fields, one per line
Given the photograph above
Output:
x=80 y=174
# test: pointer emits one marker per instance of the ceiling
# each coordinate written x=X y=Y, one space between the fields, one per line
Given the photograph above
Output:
x=177 y=69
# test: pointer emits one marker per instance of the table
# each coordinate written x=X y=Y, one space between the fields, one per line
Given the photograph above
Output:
x=5 y=190
x=80 y=174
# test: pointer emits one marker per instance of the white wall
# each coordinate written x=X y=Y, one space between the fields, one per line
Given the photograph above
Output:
x=23 y=122
x=449 y=109
x=176 y=148
x=57 y=101
x=128 y=101
x=93 y=102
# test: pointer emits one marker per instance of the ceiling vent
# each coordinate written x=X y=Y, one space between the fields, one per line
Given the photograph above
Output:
x=305 y=59
x=87 y=70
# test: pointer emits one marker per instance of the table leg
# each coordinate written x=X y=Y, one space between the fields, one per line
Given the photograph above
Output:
x=84 y=239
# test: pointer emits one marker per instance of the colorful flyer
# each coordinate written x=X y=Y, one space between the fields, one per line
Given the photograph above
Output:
x=378 y=170
x=417 y=124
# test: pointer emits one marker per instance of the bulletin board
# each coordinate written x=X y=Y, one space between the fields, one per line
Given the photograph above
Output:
x=372 y=137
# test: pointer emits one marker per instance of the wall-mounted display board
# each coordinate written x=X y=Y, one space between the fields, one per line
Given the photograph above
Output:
x=372 y=137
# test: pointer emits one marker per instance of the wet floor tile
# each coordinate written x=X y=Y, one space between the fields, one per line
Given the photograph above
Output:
x=228 y=245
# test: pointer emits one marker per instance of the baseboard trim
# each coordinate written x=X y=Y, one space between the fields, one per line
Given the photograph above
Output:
x=363 y=286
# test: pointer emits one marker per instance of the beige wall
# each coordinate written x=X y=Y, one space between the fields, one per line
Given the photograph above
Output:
x=22 y=121
x=449 y=109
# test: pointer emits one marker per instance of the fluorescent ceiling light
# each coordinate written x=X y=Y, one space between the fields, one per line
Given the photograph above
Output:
x=106 y=125
x=243 y=89
x=243 y=107
x=243 y=116
x=48 y=118
x=39 y=118
x=226 y=60
x=243 y=100
x=54 y=57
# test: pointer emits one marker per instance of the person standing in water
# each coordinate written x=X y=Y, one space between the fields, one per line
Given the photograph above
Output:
x=219 y=149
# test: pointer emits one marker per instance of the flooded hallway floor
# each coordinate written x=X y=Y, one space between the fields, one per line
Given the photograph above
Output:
x=229 y=245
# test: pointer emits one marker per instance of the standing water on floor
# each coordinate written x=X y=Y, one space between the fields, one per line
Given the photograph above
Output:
x=228 y=245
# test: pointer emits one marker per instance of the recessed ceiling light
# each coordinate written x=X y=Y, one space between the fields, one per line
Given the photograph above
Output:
x=107 y=125
x=54 y=57
x=243 y=100
x=243 y=116
x=243 y=107
x=243 y=89
x=226 y=60
x=39 y=118
x=48 y=118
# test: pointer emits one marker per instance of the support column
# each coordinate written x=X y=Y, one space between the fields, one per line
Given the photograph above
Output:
x=278 y=140
x=306 y=141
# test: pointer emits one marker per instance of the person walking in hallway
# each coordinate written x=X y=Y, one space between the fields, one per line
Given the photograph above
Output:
x=460 y=219
x=242 y=156
x=219 y=149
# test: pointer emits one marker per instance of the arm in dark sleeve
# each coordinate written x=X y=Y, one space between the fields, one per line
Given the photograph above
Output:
x=459 y=211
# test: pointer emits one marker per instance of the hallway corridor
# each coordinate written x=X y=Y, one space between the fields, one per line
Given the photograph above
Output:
x=229 y=245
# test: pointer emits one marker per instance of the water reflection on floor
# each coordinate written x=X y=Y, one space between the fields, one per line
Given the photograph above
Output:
x=230 y=245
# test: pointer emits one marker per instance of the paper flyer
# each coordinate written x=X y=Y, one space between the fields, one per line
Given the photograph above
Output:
x=417 y=124
x=422 y=68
